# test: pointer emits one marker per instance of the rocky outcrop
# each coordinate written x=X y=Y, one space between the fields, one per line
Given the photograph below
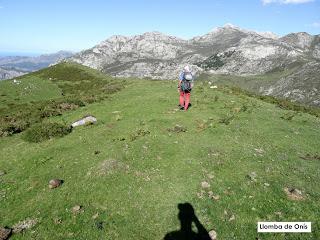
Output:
x=9 y=73
x=301 y=86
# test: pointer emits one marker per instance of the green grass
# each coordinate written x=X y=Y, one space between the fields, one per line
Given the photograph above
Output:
x=32 y=88
x=133 y=168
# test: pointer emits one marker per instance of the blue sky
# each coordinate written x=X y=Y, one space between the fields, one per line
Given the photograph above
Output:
x=44 y=26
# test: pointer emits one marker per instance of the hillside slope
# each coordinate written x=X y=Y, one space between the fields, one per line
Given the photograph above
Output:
x=232 y=157
x=49 y=92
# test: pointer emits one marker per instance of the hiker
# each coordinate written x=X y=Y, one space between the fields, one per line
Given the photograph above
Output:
x=184 y=88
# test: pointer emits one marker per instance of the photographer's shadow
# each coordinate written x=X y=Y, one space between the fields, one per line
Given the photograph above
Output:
x=187 y=216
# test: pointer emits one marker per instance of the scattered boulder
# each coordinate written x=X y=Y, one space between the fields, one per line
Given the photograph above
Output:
x=5 y=233
x=24 y=225
x=201 y=194
x=259 y=150
x=216 y=197
x=54 y=183
x=278 y=213
x=232 y=218
x=213 y=234
x=229 y=215
x=210 y=176
x=252 y=176
x=77 y=209
x=177 y=129
x=212 y=196
x=294 y=194
x=86 y=120
x=205 y=184
x=16 y=81
x=237 y=109
x=57 y=220
x=95 y=216
x=118 y=117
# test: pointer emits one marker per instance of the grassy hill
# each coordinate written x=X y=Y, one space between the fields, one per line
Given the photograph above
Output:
x=231 y=156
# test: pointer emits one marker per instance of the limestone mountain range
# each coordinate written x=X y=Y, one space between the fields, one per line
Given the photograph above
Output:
x=225 y=50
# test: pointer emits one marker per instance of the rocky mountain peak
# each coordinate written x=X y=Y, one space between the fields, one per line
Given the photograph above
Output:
x=301 y=40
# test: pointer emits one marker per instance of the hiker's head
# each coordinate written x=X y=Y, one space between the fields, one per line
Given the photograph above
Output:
x=186 y=69
x=186 y=212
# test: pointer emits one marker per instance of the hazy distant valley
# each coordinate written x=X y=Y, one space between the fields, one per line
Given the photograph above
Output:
x=14 y=66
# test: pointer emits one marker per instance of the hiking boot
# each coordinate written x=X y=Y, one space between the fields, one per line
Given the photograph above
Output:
x=181 y=107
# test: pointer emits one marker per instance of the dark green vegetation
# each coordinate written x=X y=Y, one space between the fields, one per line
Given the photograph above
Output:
x=44 y=131
x=215 y=61
x=130 y=171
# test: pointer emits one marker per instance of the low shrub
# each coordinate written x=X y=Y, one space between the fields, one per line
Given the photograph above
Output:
x=44 y=131
x=10 y=125
x=226 y=119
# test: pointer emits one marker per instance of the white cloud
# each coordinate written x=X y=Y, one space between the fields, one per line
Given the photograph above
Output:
x=315 y=24
x=265 y=2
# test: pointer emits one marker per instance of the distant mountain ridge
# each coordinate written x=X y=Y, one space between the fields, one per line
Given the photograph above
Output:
x=14 y=66
x=159 y=56
x=225 y=50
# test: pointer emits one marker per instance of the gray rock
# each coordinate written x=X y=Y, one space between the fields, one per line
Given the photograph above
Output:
x=205 y=184
x=24 y=225
x=213 y=234
x=294 y=194
x=5 y=233
x=252 y=176
x=87 y=120
x=54 y=183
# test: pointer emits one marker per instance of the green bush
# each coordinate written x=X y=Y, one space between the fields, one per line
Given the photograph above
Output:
x=44 y=131
x=226 y=119
x=13 y=124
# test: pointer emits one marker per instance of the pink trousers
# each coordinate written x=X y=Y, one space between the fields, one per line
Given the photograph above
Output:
x=184 y=99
